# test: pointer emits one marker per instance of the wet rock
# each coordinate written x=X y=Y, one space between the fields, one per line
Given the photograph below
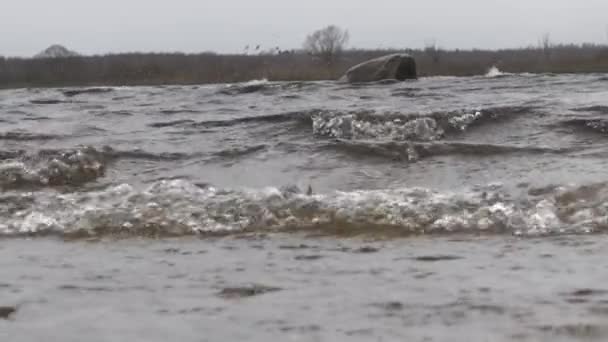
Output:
x=395 y=66
x=246 y=291
x=7 y=311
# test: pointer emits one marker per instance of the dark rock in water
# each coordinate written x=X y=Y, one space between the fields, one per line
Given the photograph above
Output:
x=396 y=67
x=7 y=311
x=246 y=291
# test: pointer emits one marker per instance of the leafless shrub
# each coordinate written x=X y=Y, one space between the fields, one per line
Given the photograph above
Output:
x=155 y=69
x=327 y=43
x=545 y=45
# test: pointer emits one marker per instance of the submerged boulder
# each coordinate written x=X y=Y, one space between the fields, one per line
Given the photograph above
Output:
x=390 y=67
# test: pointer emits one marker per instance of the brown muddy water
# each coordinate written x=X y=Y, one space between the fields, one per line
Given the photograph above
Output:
x=442 y=209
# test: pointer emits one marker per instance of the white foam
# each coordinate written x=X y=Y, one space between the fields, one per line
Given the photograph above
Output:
x=178 y=207
x=256 y=82
x=352 y=126
x=495 y=72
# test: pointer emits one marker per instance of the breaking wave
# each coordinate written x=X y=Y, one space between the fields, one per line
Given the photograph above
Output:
x=430 y=127
x=495 y=72
x=52 y=168
x=263 y=86
x=78 y=166
x=370 y=124
x=76 y=92
x=177 y=207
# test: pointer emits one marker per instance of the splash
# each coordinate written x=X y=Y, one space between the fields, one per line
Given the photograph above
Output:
x=53 y=168
x=177 y=207
x=400 y=127
x=494 y=72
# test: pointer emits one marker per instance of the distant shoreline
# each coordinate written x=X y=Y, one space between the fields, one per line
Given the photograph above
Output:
x=191 y=69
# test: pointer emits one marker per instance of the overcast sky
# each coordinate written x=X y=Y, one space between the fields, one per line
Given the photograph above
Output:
x=93 y=27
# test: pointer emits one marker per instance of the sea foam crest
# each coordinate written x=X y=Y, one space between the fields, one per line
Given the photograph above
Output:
x=356 y=126
x=389 y=126
x=177 y=207
x=69 y=167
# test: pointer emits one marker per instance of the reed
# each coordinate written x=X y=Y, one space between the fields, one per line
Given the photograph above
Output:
x=176 y=68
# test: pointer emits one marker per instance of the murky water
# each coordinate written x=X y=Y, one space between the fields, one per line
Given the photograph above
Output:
x=438 y=209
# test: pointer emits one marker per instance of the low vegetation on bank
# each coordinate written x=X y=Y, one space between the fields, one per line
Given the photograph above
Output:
x=323 y=57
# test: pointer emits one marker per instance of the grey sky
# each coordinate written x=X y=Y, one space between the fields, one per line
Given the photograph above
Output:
x=91 y=27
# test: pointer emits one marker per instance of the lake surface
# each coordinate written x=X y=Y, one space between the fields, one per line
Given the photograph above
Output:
x=442 y=209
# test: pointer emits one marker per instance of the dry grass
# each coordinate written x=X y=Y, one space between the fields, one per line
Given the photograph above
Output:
x=154 y=69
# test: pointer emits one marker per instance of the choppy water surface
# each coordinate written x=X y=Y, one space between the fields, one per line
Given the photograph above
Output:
x=438 y=209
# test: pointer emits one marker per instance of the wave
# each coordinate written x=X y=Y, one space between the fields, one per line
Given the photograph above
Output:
x=75 y=167
x=413 y=93
x=365 y=126
x=27 y=136
x=171 y=123
x=494 y=72
x=179 y=111
x=414 y=151
x=112 y=154
x=115 y=113
x=253 y=86
x=240 y=152
x=370 y=124
x=76 y=92
x=396 y=126
x=596 y=125
x=52 y=168
x=177 y=208
x=264 y=86
x=303 y=116
x=594 y=109
x=48 y=101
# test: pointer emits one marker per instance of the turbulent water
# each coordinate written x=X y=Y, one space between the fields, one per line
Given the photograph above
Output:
x=504 y=156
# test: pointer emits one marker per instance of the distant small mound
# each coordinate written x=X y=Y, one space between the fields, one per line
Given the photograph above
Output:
x=56 y=51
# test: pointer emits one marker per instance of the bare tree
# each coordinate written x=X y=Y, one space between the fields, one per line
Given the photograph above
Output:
x=545 y=43
x=432 y=50
x=327 y=43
